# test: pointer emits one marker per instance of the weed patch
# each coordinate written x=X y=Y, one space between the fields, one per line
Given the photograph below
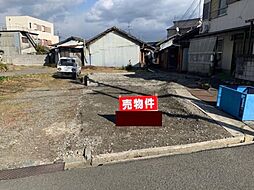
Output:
x=2 y=78
x=3 y=67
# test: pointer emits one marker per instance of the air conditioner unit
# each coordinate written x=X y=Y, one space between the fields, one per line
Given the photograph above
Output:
x=205 y=28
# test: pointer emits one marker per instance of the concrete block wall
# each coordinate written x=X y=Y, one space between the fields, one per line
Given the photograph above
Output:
x=202 y=68
x=9 y=43
x=245 y=69
x=26 y=60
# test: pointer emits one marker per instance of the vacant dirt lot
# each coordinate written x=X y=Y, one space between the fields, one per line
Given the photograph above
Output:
x=182 y=123
x=43 y=119
x=37 y=116
x=14 y=70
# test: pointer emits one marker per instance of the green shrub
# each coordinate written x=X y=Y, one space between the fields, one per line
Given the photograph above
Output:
x=2 y=78
x=42 y=49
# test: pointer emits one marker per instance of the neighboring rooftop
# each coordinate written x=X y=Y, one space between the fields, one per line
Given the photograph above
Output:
x=72 y=38
x=120 y=33
x=21 y=31
x=27 y=17
x=185 y=24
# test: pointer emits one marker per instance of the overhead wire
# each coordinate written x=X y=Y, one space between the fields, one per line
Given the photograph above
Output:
x=195 y=10
x=189 y=9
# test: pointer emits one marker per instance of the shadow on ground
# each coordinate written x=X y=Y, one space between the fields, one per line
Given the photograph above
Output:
x=177 y=78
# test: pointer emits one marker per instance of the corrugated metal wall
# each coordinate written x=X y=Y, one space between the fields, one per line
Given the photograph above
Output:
x=113 y=50
x=200 y=53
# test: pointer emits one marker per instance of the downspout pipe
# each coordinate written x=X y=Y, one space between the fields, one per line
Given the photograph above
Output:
x=250 y=34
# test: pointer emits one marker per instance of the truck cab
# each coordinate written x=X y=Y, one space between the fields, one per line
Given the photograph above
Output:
x=69 y=66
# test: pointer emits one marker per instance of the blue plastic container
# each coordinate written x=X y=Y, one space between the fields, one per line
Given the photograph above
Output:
x=238 y=101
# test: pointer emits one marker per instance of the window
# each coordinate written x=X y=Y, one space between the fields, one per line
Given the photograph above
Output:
x=47 y=29
x=24 y=40
x=67 y=62
x=223 y=7
x=218 y=8
x=30 y=25
x=219 y=53
x=38 y=27
x=220 y=45
x=214 y=8
x=43 y=28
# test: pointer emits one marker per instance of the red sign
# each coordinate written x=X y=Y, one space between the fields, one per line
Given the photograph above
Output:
x=138 y=103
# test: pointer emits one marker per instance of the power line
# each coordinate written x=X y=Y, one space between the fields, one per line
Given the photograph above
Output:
x=199 y=8
x=189 y=9
x=195 y=10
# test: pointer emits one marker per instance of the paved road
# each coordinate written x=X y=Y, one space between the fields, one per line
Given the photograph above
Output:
x=218 y=169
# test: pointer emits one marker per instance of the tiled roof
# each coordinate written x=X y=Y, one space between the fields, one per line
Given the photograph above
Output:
x=182 y=24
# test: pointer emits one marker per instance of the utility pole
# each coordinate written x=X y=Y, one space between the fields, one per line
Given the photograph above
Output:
x=58 y=34
x=129 y=28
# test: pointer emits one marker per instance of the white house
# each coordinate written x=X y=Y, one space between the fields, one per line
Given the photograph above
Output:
x=116 y=48
x=44 y=29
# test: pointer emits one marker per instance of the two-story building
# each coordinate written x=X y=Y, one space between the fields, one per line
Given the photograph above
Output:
x=226 y=35
x=173 y=51
x=44 y=29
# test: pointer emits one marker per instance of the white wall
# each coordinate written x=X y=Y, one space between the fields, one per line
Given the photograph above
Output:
x=23 y=23
x=237 y=14
x=113 y=50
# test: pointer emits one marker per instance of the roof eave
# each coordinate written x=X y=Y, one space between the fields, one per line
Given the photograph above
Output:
x=121 y=33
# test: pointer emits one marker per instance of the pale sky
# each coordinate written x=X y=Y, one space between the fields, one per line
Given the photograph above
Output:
x=148 y=19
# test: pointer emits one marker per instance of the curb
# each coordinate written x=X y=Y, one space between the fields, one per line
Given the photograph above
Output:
x=238 y=139
x=165 y=151
x=79 y=163
x=106 y=159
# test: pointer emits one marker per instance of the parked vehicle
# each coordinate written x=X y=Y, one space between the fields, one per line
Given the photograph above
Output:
x=69 y=66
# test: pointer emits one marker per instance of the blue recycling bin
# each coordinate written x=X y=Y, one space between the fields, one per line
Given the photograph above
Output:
x=238 y=101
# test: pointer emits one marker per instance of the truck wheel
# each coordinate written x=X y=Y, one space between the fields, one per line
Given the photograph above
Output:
x=74 y=76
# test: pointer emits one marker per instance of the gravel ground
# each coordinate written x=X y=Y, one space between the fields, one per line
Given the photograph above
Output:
x=182 y=123
x=56 y=119
x=37 y=124
x=26 y=70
